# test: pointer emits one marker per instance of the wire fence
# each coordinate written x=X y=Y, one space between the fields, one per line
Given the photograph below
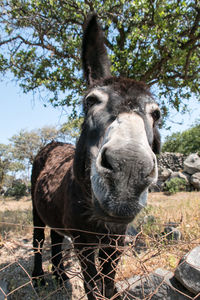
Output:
x=135 y=277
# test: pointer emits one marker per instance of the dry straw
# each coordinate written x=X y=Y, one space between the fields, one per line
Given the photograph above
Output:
x=140 y=256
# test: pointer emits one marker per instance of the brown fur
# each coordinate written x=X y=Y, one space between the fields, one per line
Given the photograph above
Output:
x=62 y=192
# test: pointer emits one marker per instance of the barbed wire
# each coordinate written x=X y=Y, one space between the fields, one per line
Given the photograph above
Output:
x=135 y=279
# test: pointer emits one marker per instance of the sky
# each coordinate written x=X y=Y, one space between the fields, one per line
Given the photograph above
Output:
x=23 y=111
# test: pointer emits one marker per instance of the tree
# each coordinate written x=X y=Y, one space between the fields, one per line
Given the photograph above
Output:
x=26 y=144
x=185 y=142
x=154 y=41
x=71 y=129
x=7 y=163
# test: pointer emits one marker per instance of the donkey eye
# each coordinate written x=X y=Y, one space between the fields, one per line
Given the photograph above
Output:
x=156 y=114
x=90 y=101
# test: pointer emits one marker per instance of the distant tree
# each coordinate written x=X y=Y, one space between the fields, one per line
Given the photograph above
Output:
x=26 y=144
x=71 y=129
x=47 y=134
x=153 y=41
x=185 y=142
x=20 y=153
x=8 y=164
x=17 y=189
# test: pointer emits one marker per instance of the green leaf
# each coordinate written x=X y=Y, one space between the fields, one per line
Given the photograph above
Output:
x=147 y=40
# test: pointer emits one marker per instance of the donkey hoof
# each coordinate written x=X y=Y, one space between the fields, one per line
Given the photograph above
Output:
x=64 y=277
x=61 y=278
x=38 y=279
x=38 y=282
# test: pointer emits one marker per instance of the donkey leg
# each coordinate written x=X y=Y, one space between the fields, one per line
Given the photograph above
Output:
x=38 y=241
x=57 y=261
x=109 y=258
x=92 y=279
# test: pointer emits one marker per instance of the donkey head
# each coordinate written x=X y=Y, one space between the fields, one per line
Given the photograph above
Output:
x=119 y=139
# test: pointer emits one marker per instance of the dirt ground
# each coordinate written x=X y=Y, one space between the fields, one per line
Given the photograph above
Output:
x=16 y=260
x=16 y=254
x=13 y=205
x=153 y=198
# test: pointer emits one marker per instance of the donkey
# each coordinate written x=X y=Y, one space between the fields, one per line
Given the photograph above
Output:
x=102 y=184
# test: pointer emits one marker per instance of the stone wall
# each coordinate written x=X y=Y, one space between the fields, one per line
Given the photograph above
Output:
x=172 y=161
x=177 y=165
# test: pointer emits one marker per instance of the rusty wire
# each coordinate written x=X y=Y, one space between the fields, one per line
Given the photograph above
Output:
x=135 y=252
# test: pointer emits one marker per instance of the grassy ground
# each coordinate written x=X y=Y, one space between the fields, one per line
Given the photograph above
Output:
x=148 y=251
x=15 y=216
x=184 y=210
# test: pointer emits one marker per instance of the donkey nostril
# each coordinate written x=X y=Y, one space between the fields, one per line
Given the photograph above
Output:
x=105 y=161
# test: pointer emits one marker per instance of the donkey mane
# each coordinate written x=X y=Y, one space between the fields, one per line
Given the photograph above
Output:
x=123 y=84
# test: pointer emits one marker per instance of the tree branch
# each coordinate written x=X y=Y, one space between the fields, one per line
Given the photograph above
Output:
x=156 y=68
x=8 y=41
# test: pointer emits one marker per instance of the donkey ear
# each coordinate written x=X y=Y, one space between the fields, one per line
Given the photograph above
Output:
x=95 y=60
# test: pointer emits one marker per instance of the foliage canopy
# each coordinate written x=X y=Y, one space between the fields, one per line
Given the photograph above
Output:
x=20 y=153
x=71 y=129
x=153 y=41
x=26 y=144
x=185 y=142
x=8 y=163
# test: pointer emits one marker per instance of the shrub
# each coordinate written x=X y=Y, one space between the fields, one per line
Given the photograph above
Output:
x=175 y=185
x=185 y=142
x=17 y=190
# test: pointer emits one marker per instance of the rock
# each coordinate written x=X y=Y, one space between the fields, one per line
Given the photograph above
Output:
x=195 y=180
x=172 y=233
x=131 y=230
x=156 y=187
x=172 y=161
x=180 y=175
x=192 y=164
x=177 y=165
x=164 y=174
x=4 y=287
x=131 y=233
x=160 y=285
x=188 y=271
x=150 y=219
x=187 y=176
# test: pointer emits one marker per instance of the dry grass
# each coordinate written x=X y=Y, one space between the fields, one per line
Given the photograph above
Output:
x=11 y=204
x=182 y=208
x=15 y=212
